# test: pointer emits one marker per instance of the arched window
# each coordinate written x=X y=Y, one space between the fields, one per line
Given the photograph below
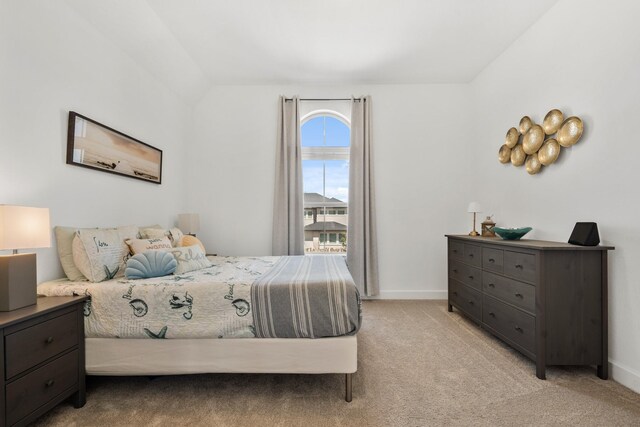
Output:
x=325 y=172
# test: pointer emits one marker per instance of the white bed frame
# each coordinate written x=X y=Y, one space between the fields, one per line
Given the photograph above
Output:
x=113 y=356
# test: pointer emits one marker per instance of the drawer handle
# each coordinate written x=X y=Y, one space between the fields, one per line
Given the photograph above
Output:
x=491 y=285
x=519 y=296
x=455 y=270
x=454 y=293
x=492 y=260
x=519 y=266
x=49 y=383
x=492 y=314
x=49 y=340
x=519 y=329
x=455 y=251
x=471 y=255
x=471 y=277
x=471 y=302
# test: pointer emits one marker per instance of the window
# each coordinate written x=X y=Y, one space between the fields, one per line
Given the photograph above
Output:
x=325 y=173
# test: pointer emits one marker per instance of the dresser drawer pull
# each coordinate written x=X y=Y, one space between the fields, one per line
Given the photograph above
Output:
x=470 y=277
x=471 y=302
x=49 y=383
x=455 y=251
x=491 y=285
x=455 y=270
x=492 y=314
x=519 y=266
x=49 y=340
x=519 y=329
x=519 y=296
x=492 y=260
x=471 y=255
x=454 y=293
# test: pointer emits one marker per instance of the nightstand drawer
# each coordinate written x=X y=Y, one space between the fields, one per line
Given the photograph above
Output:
x=466 y=274
x=28 y=393
x=520 y=265
x=28 y=347
x=473 y=255
x=520 y=294
x=511 y=323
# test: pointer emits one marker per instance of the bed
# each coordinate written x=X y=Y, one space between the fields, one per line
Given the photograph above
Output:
x=296 y=314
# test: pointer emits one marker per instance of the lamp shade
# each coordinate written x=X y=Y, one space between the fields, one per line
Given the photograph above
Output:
x=189 y=223
x=24 y=227
x=474 y=207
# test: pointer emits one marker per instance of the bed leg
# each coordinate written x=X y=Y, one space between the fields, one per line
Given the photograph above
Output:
x=348 y=387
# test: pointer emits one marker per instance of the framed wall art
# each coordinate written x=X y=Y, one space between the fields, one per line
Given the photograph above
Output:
x=93 y=145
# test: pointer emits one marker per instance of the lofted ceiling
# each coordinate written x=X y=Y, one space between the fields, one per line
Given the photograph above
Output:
x=191 y=44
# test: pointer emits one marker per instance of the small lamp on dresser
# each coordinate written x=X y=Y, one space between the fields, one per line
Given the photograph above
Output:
x=189 y=223
x=21 y=227
x=474 y=207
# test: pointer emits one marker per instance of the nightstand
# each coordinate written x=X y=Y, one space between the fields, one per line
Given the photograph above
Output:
x=42 y=352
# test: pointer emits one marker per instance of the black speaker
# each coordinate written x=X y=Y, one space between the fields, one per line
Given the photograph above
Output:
x=585 y=234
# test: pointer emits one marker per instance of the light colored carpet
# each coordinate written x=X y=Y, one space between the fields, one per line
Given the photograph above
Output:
x=418 y=365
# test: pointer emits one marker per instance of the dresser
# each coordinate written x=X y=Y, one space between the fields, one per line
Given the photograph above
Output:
x=548 y=300
x=42 y=353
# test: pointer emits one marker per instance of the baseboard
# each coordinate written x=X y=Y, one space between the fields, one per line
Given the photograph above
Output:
x=625 y=376
x=406 y=294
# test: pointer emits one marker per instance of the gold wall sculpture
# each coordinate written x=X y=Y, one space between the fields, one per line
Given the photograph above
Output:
x=540 y=145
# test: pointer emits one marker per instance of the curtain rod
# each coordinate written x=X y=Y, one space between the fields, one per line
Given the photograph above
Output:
x=325 y=99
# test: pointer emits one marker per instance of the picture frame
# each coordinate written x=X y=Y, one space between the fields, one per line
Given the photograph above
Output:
x=92 y=145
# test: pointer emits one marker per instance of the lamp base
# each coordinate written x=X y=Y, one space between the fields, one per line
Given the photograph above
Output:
x=18 y=287
x=474 y=233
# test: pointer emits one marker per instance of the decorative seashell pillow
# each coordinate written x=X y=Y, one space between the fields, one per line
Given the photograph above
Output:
x=150 y=264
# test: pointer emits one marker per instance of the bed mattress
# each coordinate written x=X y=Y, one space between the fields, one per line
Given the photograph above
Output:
x=238 y=297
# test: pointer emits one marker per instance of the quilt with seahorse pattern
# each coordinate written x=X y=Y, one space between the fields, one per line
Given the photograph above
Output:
x=237 y=297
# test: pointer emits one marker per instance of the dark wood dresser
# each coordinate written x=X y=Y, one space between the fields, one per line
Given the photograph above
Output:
x=547 y=300
x=42 y=353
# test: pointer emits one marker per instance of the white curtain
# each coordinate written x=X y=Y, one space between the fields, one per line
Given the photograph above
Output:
x=288 y=222
x=362 y=251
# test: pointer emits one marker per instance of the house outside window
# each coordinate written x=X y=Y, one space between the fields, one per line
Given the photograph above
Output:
x=325 y=172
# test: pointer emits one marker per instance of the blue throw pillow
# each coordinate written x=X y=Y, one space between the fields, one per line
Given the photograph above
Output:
x=150 y=264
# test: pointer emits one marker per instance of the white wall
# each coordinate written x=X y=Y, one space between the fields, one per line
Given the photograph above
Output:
x=53 y=61
x=584 y=58
x=421 y=170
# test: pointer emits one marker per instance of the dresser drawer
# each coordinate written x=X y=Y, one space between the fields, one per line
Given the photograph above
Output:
x=466 y=274
x=492 y=259
x=466 y=299
x=520 y=294
x=456 y=250
x=510 y=322
x=473 y=255
x=520 y=265
x=28 y=347
x=28 y=393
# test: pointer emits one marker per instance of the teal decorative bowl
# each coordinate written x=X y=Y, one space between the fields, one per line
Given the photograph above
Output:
x=512 y=233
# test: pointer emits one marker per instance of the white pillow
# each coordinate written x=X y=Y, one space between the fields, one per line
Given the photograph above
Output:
x=64 y=243
x=190 y=258
x=139 y=246
x=102 y=254
x=174 y=234
x=153 y=233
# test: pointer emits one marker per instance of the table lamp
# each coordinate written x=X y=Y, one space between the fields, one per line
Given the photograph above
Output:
x=189 y=223
x=474 y=207
x=21 y=228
